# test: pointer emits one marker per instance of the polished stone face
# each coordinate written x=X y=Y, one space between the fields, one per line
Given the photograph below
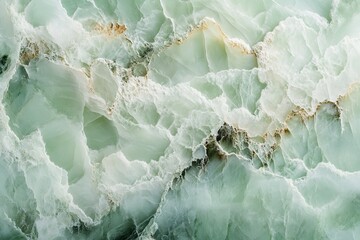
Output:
x=179 y=119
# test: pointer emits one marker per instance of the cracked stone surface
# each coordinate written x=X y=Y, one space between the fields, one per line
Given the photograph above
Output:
x=181 y=119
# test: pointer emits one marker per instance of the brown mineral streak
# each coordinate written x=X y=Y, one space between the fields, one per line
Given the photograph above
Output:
x=204 y=25
x=29 y=52
x=111 y=29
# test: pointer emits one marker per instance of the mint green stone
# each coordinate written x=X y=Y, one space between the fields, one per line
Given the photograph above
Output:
x=181 y=119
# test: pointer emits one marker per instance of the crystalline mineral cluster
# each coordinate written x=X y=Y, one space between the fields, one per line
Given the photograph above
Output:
x=179 y=119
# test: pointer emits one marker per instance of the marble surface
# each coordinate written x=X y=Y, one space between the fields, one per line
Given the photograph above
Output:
x=179 y=119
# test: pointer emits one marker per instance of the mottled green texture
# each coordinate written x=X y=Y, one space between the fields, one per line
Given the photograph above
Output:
x=177 y=119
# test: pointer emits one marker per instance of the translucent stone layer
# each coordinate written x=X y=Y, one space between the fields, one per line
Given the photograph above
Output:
x=179 y=119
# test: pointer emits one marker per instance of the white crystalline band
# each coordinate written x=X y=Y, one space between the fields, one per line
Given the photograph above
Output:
x=179 y=119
